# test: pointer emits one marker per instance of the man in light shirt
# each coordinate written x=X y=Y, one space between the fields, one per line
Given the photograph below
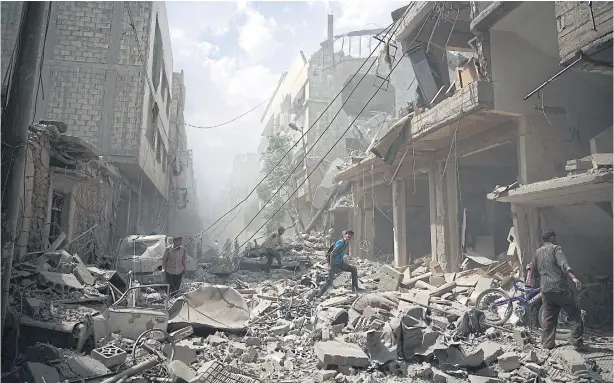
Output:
x=272 y=241
x=174 y=264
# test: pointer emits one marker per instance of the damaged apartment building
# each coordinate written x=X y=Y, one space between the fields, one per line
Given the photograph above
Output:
x=517 y=139
x=299 y=105
x=107 y=80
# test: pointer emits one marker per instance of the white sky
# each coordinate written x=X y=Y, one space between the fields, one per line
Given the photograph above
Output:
x=233 y=53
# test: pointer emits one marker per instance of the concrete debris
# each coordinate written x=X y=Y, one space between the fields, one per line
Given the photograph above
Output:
x=415 y=324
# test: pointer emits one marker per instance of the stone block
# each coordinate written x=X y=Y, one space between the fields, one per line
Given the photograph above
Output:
x=572 y=360
x=509 y=361
x=252 y=341
x=390 y=279
x=341 y=354
x=492 y=351
x=325 y=375
x=521 y=336
x=109 y=355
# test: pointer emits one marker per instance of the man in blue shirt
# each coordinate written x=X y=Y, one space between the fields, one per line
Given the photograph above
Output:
x=336 y=263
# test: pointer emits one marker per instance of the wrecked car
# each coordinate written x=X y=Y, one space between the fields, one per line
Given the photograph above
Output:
x=142 y=254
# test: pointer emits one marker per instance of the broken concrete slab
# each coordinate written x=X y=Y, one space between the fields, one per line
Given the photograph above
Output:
x=41 y=373
x=218 y=307
x=509 y=361
x=420 y=297
x=492 y=351
x=282 y=327
x=341 y=354
x=183 y=351
x=390 y=279
x=60 y=281
x=81 y=272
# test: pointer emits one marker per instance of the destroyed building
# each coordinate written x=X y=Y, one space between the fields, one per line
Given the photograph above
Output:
x=501 y=119
x=299 y=105
x=107 y=75
x=109 y=79
x=70 y=194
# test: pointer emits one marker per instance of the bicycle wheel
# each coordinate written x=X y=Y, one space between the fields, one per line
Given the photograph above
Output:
x=593 y=300
x=496 y=306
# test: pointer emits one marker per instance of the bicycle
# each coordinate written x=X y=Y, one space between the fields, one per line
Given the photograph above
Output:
x=595 y=300
x=528 y=297
x=490 y=301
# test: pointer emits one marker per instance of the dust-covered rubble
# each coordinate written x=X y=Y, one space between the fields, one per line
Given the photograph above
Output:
x=414 y=323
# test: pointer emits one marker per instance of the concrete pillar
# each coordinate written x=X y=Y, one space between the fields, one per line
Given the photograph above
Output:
x=433 y=175
x=440 y=227
x=399 y=220
x=451 y=181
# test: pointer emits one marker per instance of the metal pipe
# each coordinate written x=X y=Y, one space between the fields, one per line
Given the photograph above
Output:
x=143 y=366
x=554 y=77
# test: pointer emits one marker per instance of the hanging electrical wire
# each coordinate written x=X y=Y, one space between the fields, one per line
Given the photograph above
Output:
x=227 y=122
x=331 y=149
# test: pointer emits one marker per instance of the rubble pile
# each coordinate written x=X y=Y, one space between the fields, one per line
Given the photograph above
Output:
x=416 y=323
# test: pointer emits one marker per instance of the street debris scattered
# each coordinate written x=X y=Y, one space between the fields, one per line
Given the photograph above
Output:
x=415 y=323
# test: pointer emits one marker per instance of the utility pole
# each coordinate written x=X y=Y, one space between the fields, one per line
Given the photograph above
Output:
x=19 y=115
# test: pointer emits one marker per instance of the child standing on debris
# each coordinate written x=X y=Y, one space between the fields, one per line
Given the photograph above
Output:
x=336 y=263
x=174 y=264
x=270 y=243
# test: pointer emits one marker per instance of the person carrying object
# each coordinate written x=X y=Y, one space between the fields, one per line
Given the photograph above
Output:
x=271 y=242
x=336 y=263
x=174 y=264
x=550 y=266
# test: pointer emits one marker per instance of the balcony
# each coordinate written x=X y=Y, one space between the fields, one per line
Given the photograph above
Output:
x=419 y=23
x=468 y=112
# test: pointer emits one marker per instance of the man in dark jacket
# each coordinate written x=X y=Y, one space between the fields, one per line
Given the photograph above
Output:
x=551 y=267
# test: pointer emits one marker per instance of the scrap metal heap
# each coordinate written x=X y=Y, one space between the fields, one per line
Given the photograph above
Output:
x=415 y=322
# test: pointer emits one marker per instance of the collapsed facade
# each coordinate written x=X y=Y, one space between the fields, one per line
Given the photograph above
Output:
x=310 y=85
x=71 y=194
x=486 y=126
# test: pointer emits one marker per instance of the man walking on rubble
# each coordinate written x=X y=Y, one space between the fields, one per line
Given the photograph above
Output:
x=174 y=264
x=336 y=263
x=272 y=241
x=550 y=266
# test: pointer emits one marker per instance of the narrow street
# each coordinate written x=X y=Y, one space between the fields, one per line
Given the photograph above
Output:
x=307 y=191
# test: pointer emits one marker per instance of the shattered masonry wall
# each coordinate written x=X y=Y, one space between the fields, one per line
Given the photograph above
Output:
x=10 y=18
x=96 y=200
x=38 y=182
x=77 y=98
x=83 y=36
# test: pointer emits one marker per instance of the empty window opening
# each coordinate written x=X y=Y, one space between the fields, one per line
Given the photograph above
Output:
x=152 y=123
x=57 y=219
x=164 y=160
x=159 y=148
x=156 y=65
